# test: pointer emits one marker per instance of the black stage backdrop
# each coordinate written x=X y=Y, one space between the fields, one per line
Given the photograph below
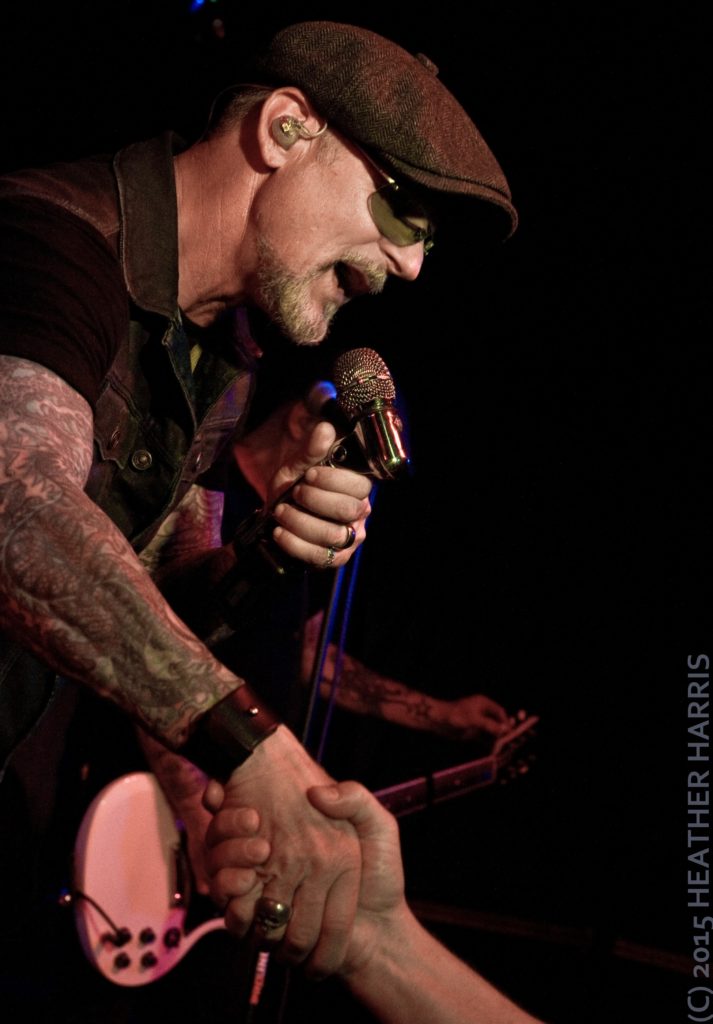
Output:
x=549 y=548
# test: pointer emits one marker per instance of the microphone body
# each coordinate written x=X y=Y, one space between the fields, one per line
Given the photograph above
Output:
x=360 y=407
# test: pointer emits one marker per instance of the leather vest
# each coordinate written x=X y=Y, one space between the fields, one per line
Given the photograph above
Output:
x=157 y=425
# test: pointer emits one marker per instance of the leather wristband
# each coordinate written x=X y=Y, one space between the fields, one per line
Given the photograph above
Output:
x=228 y=733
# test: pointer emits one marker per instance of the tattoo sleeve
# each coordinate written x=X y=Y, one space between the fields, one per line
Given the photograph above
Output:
x=71 y=588
x=187 y=560
x=181 y=780
x=367 y=692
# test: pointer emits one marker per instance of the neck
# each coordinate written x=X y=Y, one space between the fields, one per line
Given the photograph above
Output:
x=214 y=185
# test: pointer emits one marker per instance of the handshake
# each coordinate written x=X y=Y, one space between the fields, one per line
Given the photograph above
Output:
x=237 y=855
x=367 y=933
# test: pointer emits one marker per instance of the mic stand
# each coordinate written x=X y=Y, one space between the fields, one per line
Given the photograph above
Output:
x=326 y=632
x=320 y=656
x=339 y=655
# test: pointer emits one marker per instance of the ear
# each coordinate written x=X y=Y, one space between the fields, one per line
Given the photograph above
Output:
x=288 y=107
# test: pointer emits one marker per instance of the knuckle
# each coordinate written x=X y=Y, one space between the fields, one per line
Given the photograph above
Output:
x=240 y=881
x=297 y=945
x=337 y=926
x=325 y=960
x=222 y=884
x=350 y=787
x=346 y=508
x=240 y=820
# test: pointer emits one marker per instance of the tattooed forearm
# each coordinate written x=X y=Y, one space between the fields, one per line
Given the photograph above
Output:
x=186 y=560
x=369 y=693
x=179 y=778
x=186 y=536
x=366 y=692
x=71 y=588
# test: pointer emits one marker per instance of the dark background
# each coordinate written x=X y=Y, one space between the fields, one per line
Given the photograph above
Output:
x=550 y=547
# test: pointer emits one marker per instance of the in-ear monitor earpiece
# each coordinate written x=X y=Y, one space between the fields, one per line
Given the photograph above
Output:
x=287 y=130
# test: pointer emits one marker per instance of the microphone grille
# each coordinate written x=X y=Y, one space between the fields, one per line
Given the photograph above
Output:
x=361 y=375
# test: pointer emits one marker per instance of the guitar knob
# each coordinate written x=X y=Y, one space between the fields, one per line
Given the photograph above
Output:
x=118 y=938
x=172 y=938
x=146 y=936
x=149 y=960
x=122 y=961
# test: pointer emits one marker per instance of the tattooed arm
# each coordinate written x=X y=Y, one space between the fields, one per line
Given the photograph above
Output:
x=73 y=591
x=184 y=785
x=186 y=535
x=186 y=559
x=366 y=692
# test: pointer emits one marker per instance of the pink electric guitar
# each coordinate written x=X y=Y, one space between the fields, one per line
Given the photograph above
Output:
x=131 y=874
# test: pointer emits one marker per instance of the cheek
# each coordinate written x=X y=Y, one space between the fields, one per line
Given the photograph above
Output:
x=312 y=215
x=299 y=231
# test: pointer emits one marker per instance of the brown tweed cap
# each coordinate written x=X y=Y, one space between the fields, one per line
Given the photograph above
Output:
x=391 y=103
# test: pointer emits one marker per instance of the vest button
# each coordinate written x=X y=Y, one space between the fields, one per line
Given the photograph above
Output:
x=141 y=459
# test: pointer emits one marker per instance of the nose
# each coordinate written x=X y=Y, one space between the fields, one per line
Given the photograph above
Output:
x=405 y=261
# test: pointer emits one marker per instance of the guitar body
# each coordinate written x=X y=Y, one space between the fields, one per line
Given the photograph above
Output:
x=131 y=883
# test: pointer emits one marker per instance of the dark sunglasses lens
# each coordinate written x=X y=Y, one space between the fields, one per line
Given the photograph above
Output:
x=394 y=219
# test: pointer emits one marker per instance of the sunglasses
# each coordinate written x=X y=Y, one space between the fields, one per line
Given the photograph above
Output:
x=397 y=215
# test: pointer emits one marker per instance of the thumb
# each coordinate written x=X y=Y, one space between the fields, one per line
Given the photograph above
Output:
x=313 y=450
x=351 y=801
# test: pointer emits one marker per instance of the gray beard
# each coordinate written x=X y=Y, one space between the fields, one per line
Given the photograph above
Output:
x=285 y=296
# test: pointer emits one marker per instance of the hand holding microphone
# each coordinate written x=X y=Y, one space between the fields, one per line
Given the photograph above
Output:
x=369 y=442
x=319 y=512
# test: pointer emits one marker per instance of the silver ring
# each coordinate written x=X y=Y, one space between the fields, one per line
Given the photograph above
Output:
x=271 y=914
x=351 y=537
x=331 y=552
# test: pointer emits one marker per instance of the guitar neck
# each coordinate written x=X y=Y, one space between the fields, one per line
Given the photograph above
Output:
x=421 y=793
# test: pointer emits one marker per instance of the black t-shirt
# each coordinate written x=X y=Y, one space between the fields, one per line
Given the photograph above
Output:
x=63 y=302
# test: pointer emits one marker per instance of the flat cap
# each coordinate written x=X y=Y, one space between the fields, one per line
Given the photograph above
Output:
x=393 y=104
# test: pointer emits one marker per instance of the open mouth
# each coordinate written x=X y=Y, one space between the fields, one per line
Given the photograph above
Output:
x=354 y=280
